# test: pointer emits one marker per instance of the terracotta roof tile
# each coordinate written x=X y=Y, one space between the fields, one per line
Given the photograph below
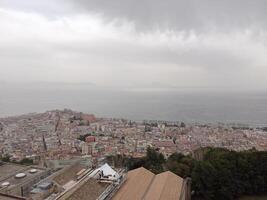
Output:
x=141 y=184
x=166 y=185
x=136 y=184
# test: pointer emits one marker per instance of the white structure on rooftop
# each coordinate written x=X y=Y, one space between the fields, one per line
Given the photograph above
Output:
x=20 y=175
x=32 y=171
x=5 y=184
x=106 y=172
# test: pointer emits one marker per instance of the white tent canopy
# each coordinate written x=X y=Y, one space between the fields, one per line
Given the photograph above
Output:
x=107 y=172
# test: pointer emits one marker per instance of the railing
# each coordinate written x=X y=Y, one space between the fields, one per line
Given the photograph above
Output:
x=112 y=189
x=84 y=178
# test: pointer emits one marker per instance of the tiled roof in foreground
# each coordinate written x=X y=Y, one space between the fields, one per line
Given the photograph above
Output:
x=166 y=185
x=145 y=185
x=136 y=184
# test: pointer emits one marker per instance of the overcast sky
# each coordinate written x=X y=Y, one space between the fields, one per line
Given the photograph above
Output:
x=129 y=43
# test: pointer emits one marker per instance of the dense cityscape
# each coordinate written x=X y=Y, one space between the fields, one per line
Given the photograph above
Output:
x=67 y=134
x=64 y=155
x=133 y=100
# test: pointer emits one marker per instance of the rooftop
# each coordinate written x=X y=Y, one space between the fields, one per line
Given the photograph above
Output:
x=16 y=180
x=165 y=186
x=92 y=187
x=143 y=184
x=6 y=169
x=68 y=174
x=10 y=197
x=136 y=184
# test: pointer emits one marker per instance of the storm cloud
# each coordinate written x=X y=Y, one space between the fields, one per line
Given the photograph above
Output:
x=182 y=14
x=126 y=43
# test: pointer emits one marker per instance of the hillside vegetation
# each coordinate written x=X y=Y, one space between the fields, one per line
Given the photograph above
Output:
x=221 y=174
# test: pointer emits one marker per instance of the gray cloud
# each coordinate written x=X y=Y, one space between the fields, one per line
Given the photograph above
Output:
x=182 y=14
x=135 y=43
x=157 y=14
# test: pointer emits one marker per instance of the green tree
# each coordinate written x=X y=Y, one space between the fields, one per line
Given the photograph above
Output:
x=154 y=160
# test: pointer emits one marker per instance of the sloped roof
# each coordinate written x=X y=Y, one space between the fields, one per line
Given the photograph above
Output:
x=67 y=174
x=143 y=184
x=166 y=185
x=136 y=184
x=89 y=190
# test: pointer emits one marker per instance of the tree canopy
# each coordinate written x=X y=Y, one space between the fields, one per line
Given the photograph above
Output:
x=221 y=174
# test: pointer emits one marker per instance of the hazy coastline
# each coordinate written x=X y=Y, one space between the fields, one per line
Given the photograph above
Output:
x=204 y=105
